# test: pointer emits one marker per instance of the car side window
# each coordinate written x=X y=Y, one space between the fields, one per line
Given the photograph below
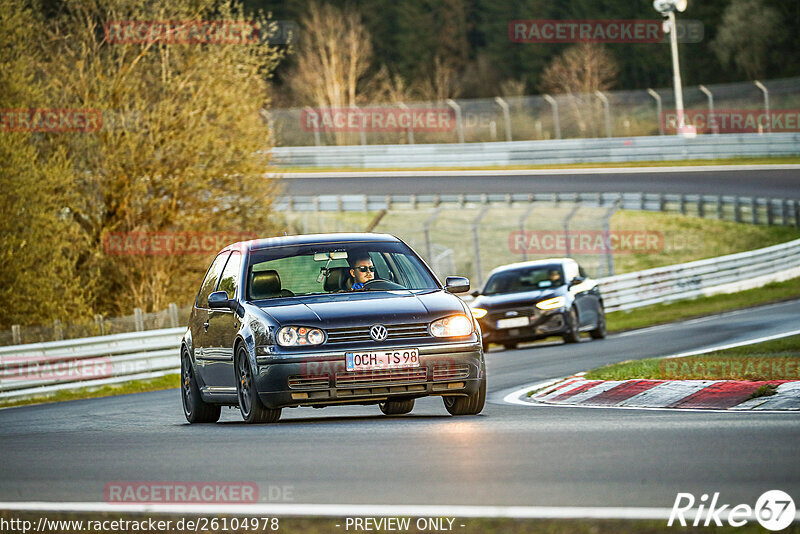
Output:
x=230 y=275
x=210 y=281
x=582 y=272
x=570 y=270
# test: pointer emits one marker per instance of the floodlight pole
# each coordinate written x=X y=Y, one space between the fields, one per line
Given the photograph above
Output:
x=676 y=70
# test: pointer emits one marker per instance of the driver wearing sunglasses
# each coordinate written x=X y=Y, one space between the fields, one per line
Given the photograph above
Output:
x=362 y=271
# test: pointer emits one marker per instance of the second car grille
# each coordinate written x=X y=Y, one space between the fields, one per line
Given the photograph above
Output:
x=381 y=378
x=361 y=333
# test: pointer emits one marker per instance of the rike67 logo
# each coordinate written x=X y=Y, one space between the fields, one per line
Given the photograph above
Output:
x=774 y=510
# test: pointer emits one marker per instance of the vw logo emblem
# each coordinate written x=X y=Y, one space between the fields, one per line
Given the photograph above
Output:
x=378 y=332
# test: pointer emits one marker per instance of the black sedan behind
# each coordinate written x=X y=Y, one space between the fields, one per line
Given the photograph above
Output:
x=538 y=299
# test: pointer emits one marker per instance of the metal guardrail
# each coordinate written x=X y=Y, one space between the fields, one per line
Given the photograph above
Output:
x=38 y=368
x=755 y=210
x=603 y=150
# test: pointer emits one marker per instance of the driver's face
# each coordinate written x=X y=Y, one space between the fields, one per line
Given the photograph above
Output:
x=360 y=276
x=555 y=276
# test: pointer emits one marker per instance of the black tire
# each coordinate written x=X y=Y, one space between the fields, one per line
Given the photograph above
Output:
x=600 y=331
x=573 y=334
x=397 y=407
x=510 y=346
x=253 y=410
x=195 y=408
x=471 y=405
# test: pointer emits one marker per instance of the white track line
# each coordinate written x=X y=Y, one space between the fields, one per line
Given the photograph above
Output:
x=535 y=172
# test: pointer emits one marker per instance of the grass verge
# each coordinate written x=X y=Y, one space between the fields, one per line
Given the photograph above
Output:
x=788 y=160
x=778 y=359
x=134 y=386
x=702 y=306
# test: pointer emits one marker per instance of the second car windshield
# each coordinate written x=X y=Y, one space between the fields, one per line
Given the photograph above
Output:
x=525 y=279
x=335 y=268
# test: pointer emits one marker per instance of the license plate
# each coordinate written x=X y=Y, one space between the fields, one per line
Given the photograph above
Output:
x=514 y=322
x=389 y=359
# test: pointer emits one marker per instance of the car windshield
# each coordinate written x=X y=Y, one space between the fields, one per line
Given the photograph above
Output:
x=525 y=279
x=317 y=269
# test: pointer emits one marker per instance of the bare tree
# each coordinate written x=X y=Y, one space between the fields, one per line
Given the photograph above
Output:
x=581 y=71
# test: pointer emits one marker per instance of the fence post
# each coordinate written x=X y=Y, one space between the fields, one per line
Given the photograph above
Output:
x=715 y=127
x=16 y=337
x=173 y=315
x=138 y=319
x=566 y=226
x=754 y=203
x=606 y=111
x=506 y=116
x=522 y=226
x=770 y=215
x=98 y=320
x=657 y=98
x=607 y=236
x=683 y=204
x=556 y=120
x=410 y=124
x=427 y=230
x=476 y=242
x=459 y=122
x=316 y=130
x=797 y=213
x=701 y=206
x=737 y=209
x=58 y=330
x=720 y=208
x=766 y=103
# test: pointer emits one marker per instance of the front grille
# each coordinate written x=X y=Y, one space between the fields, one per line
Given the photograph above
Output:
x=361 y=333
x=450 y=372
x=389 y=377
x=308 y=382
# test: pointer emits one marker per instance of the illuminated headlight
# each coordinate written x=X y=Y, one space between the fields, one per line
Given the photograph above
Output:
x=453 y=326
x=292 y=336
x=478 y=312
x=552 y=304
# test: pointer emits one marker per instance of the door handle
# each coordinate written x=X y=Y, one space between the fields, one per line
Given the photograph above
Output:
x=205 y=326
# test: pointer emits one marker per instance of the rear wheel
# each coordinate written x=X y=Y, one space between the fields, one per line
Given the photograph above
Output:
x=600 y=331
x=195 y=408
x=253 y=410
x=573 y=334
x=397 y=407
x=471 y=405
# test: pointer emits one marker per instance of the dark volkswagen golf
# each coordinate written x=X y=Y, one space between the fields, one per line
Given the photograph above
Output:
x=329 y=319
x=537 y=299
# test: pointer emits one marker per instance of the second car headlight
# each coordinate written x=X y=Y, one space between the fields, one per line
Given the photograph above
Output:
x=292 y=336
x=478 y=312
x=552 y=304
x=453 y=326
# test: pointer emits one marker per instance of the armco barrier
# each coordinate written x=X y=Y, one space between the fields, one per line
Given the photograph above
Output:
x=604 y=150
x=138 y=355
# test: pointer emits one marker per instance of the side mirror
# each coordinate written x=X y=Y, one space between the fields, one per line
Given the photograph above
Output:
x=475 y=293
x=218 y=300
x=456 y=284
x=577 y=280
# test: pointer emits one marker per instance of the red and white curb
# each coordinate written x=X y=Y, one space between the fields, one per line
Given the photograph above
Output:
x=673 y=394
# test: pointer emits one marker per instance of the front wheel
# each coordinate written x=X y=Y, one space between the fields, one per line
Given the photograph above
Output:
x=397 y=407
x=195 y=408
x=471 y=405
x=573 y=334
x=253 y=410
x=600 y=331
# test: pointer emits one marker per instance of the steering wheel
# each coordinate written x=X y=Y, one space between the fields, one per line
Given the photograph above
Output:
x=381 y=284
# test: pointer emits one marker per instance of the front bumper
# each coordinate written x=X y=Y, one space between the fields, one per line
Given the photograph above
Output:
x=543 y=324
x=320 y=378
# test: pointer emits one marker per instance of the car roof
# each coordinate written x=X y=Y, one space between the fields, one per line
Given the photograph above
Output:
x=310 y=239
x=533 y=263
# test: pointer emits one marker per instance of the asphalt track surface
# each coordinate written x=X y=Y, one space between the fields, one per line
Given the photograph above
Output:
x=508 y=455
x=758 y=182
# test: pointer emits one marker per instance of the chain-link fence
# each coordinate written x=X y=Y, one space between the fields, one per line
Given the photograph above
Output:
x=524 y=118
